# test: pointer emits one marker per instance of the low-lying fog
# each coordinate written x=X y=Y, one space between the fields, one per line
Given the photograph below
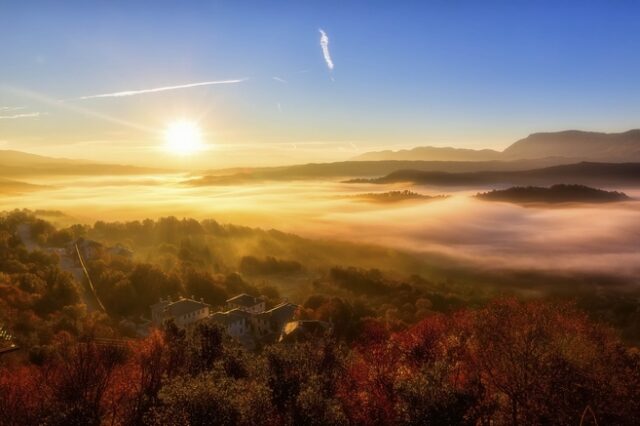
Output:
x=595 y=237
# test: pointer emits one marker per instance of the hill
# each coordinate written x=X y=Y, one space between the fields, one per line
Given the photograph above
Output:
x=585 y=173
x=430 y=153
x=396 y=196
x=8 y=186
x=554 y=194
x=16 y=163
x=610 y=147
x=357 y=169
x=573 y=145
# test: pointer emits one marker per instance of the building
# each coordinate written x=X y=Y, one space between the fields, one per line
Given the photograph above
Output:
x=120 y=250
x=6 y=341
x=245 y=319
x=246 y=303
x=157 y=311
x=249 y=322
x=183 y=311
x=236 y=322
x=274 y=320
x=88 y=249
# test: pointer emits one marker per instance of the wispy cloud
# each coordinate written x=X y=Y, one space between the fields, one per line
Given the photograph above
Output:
x=281 y=80
x=69 y=106
x=324 y=44
x=25 y=115
x=159 y=89
x=15 y=108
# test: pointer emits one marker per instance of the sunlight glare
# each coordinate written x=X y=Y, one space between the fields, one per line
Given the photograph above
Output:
x=183 y=138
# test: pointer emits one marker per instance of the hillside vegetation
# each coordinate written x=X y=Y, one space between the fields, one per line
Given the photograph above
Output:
x=404 y=349
x=593 y=174
x=554 y=194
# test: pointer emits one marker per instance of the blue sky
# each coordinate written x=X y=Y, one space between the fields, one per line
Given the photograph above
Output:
x=463 y=73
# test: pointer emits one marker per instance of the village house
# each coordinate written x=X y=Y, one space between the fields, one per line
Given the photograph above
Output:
x=183 y=311
x=273 y=321
x=245 y=318
x=6 y=341
x=88 y=249
x=246 y=303
x=120 y=250
x=236 y=322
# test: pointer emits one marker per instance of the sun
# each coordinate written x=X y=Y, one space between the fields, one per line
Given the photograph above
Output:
x=183 y=137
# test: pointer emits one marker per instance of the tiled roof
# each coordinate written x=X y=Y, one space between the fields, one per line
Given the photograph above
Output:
x=184 y=306
x=239 y=312
x=244 y=300
x=225 y=318
x=283 y=312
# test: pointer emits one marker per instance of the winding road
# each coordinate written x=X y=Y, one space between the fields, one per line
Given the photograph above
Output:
x=67 y=263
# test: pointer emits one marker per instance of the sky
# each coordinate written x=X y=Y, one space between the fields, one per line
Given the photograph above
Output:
x=309 y=81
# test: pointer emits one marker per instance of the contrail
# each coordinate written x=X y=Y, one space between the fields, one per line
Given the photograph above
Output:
x=159 y=89
x=26 y=115
x=56 y=103
x=324 y=44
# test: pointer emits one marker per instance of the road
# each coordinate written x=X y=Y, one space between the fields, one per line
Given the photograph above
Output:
x=67 y=263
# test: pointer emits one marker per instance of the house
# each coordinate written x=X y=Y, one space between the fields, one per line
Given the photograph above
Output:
x=246 y=303
x=157 y=311
x=120 y=250
x=236 y=322
x=88 y=249
x=247 y=320
x=280 y=315
x=272 y=321
x=304 y=330
x=183 y=311
x=6 y=341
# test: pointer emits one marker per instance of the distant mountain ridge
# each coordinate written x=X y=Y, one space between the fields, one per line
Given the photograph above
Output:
x=8 y=186
x=358 y=169
x=573 y=145
x=578 y=144
x=432 y=153
x=19 y=158
x=17 y=163
x=585 y=173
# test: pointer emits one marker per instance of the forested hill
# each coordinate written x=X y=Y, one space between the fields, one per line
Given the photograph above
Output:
x=554 y=194
x=585 y=173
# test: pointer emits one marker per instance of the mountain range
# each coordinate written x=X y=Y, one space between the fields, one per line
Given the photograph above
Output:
x=585 y=173
x=572 y=145
x=22 y=164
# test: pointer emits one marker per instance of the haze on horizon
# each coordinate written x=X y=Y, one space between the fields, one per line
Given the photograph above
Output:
x=297 y=83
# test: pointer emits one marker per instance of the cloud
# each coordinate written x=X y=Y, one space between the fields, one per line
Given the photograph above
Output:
x=324 y=44
x=159 y=89
x=281 y=80
x=25 y=115
x=61 y=104
x=6 y=108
